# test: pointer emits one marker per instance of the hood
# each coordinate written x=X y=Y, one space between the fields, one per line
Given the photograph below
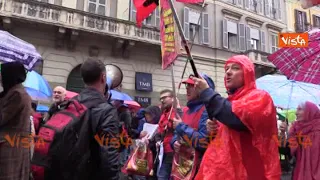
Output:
x=209 y=81
x=140 y=114
x=248 y=73
x=10 y=79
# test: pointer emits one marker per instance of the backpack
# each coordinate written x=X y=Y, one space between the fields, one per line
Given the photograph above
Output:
x=65 y=142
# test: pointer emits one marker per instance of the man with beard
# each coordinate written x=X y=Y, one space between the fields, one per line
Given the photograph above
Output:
x=59 y=94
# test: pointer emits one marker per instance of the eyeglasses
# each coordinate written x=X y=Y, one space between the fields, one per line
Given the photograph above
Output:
x=163 y=98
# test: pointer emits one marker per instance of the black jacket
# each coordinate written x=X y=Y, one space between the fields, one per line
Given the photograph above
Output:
x=104 y=122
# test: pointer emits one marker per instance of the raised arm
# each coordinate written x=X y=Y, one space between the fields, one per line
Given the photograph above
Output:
x=221 y=109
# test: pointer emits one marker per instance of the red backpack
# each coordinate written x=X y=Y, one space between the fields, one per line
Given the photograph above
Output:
x=64 y=144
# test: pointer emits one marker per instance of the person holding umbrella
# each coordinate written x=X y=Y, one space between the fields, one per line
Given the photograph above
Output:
x=15 y=111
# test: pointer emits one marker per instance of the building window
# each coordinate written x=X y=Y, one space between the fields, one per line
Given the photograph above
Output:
x=253 y=5
x=195 y=29
x=236 y=2
x=274 y=43
x=231 y=36
x=273 y=8
x=316 y=21
x=97 y=7
x=232 y=41
x=254 y=44
x=254 y=39
x=301 y=22
x=152 y=20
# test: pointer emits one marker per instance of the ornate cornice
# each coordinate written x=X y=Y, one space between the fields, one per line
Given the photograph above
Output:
x=231 y=13
x=271 y=26
x=255 y=21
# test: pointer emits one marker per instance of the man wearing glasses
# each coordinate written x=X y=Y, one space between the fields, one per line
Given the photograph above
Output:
x=166 y=132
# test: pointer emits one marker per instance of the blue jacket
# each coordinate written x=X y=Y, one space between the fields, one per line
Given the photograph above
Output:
x=183 y=130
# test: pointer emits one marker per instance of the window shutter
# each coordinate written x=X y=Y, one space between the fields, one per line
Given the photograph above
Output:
x=305 y=21
x=133 y=12
x=267 y=8
x=153 y=18
x=248 y=38
x=262 y=41
x=157 y=15
x=298 y=23
x=274 y=9
x=205 y=28
x=240 y=3
x=314 y=21
x=260 y=6
x=276 y=42
x=186 y=23
x=225 y=33
x=247 y=4
x=242 y=37
x=113 y=8
x=279 y=10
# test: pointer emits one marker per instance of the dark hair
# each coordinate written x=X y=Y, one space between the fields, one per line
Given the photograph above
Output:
x=12 y=73
x=167 y=91
x=155 y=112
x=34 y=106
x=91 y=71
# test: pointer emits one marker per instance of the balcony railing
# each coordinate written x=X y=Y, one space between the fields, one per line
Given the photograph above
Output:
x=259 y=57
x=75 y=19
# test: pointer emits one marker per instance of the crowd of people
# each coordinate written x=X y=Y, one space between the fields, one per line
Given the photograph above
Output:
x=209 y=138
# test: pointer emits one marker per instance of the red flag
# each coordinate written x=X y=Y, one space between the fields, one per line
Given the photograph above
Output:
x=144 y=9
x=191 y=1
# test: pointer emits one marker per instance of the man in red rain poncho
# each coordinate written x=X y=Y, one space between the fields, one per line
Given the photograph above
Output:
x=244 y=148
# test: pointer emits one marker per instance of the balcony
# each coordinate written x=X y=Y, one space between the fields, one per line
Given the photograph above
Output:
x=259 y=58
x=39 y=12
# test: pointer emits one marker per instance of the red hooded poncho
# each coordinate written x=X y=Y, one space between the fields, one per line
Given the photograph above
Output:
x=235 y=155
x=308 y=151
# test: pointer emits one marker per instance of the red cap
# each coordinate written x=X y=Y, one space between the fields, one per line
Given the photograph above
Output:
x=188 y=81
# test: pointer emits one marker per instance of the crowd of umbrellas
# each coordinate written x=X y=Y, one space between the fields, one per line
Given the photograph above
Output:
x=39 y=90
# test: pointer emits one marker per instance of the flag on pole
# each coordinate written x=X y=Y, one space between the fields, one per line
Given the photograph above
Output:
x=144 y=9
x=309 y=3
x=170 y=39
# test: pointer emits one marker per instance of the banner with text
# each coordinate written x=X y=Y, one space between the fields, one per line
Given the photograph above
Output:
x=170 y=39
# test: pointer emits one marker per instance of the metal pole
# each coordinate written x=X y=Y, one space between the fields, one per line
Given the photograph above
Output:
x=184 y=41
x=174 y=89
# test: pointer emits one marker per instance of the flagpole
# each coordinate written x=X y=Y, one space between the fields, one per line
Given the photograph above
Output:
x=175 y=103
x=184 y=41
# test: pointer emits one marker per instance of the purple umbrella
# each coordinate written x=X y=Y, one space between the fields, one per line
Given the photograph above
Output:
x=15 y=49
